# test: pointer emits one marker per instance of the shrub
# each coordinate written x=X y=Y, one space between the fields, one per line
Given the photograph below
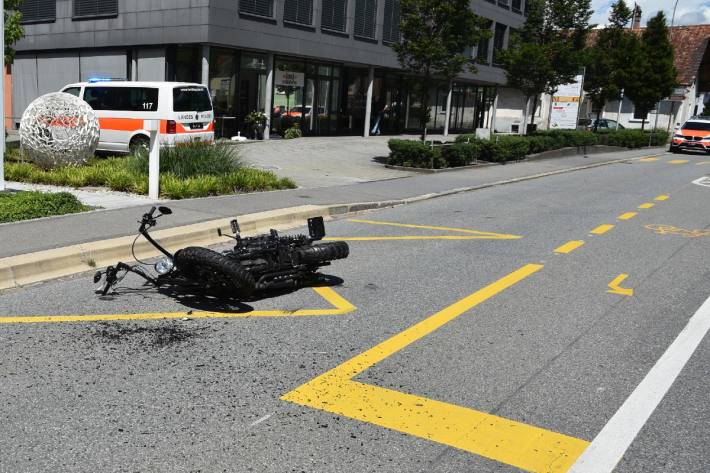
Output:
x=411 y=153
x=191 y=159
x=569 y=138
x=540 y=143
x=633 y=138
x=509 y=148
x=461 y=154
x=467 y=138
x=293 y=132
x=27 y=205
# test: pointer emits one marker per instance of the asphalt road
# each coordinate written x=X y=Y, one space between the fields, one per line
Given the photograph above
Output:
x=490 y=344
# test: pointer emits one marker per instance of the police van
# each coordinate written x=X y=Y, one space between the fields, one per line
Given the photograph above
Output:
x=184 y=110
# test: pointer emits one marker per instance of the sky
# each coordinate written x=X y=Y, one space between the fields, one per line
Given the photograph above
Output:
x=688 y=12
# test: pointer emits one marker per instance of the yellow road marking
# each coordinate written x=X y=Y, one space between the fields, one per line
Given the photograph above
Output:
x=662 y=197
x=569 y=247
x=615 y=288
x=602 y=229
x=671 y=230
x=514 y=443
x=678 y=161
x=648 y=160
x=493 y=235
x=647 y=205
x=627 y=216
x=340 y=307
x=413 y=237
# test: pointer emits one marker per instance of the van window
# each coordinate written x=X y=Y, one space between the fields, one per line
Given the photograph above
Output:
x=72 y=90
x=133 y=99
x=191 y=99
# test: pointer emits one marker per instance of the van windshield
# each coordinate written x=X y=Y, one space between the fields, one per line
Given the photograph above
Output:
x=191 y=99
x=697 y=126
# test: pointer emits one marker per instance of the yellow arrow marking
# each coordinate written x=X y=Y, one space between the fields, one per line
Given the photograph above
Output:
x=614 y=287
x=502 y=236
x=340 y=307
x=524 y=446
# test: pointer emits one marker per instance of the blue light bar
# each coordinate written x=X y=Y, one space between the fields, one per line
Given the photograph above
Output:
x=93 y=80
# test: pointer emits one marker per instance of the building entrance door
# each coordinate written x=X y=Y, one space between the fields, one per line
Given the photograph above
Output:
x=321 y=101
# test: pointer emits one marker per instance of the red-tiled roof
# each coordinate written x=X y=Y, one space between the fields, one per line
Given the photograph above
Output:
x=689 y=44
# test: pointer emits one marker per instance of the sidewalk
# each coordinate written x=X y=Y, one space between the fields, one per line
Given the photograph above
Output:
x=36 y=235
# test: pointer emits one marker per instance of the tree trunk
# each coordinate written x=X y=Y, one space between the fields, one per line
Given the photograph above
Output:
x=424 y=112
x=643 y=123
x=534 y=109
x=599 y=115
x=524 y=131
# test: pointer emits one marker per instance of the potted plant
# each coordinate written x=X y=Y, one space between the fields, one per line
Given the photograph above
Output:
x=255 y=123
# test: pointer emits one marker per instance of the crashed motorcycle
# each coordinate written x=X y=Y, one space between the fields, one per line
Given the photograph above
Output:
x=259 y=263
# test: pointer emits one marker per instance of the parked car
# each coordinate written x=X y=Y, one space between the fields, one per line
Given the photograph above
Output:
x=603 y=124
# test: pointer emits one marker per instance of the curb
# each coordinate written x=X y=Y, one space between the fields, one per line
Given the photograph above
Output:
x=21 y=270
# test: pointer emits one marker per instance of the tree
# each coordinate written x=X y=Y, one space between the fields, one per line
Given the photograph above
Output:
x=606 y=73
x=652 y=75
x=13 y=29
x=549 y=50
x=434 y=34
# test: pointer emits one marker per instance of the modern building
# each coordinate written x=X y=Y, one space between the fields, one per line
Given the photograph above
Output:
x=325 y=64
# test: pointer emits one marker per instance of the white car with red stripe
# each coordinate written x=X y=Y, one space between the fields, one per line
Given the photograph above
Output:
x=184 y=110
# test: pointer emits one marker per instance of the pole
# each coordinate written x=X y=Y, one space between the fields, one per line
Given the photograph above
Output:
x=618 y=113
x=2 y=98
x=269 y=95
x=448 y=108
x=655 y=124
x=368 y=104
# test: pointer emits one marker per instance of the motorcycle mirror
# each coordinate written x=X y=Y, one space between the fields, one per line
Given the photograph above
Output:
x=165 y=210
x=97 y=277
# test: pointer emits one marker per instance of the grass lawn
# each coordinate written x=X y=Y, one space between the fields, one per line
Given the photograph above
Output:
x=16 y=206
x=195 y=170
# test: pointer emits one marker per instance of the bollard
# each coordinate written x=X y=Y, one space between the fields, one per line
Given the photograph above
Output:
x=153 y=127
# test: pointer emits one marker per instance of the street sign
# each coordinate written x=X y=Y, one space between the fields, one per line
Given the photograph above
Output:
x=565 y=105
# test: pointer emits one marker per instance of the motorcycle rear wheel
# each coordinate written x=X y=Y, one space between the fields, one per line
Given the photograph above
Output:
x=220 y=275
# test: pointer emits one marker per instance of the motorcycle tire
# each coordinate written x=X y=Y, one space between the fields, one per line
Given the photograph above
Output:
x=222 y=276
x=323 y=252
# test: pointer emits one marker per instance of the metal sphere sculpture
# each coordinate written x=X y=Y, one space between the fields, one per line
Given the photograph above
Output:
x=59 y=129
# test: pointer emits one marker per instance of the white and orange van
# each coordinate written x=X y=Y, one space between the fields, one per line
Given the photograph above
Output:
x=184 y=110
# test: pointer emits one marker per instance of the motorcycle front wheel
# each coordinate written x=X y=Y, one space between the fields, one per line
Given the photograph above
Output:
x=219 y=275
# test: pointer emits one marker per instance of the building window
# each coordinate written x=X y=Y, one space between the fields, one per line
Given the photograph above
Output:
x=299 y=11
x=515 y=6
x=498 y=42
x=390 y=30
x=257 y=7
x=95 y=7
x=334 y=15
x=38 y=10
x=365 y=15
x=483 y=45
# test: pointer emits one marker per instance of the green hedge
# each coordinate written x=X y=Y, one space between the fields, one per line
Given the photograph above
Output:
x=468 y=148
x=633 y=138
x=26 y=205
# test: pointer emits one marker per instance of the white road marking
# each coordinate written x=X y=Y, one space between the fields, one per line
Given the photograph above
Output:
x=703 y=181
x=259 y=421
x=607 y=449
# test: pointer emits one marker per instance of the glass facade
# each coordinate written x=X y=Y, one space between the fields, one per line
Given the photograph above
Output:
x=320 y=98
